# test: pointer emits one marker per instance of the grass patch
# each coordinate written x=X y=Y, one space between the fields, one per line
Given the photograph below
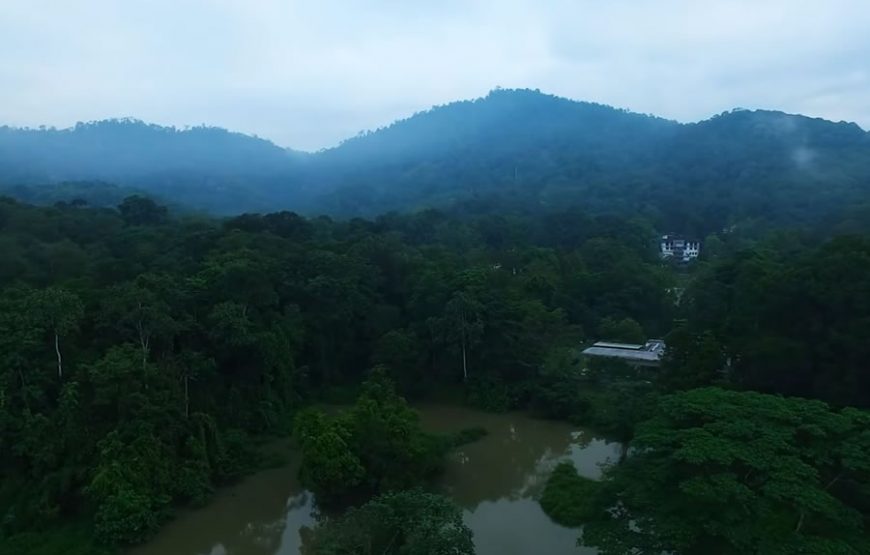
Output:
x=568 y=498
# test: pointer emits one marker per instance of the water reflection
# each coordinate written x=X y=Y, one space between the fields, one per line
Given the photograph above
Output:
x=515 y=459
x=262 y=515
x=498 y=479
x=495 y=480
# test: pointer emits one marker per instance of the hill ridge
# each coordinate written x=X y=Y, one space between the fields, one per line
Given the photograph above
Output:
x=539 y=149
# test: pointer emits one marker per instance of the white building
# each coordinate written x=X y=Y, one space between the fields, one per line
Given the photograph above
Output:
x=679 y=248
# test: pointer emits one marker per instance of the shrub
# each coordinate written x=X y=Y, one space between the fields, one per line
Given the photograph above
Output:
x=568 y=497
x=127 y=517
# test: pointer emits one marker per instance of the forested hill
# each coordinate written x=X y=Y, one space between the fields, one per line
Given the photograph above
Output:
x=202 y=167
x=519 y=149
x=524 y=148
x=510 y=142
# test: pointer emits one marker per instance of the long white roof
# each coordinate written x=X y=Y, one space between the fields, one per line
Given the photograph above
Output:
x=610 y=345
x=651 y=352
x=627 y=354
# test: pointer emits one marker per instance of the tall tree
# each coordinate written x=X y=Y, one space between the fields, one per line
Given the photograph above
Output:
x=59 y=311
x=691 y=360
x=142 y=313
x=464 y=320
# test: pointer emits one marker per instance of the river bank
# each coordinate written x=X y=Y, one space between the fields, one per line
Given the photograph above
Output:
x=496 y=480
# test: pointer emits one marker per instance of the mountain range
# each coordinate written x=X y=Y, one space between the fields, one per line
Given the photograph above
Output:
x=515 y=149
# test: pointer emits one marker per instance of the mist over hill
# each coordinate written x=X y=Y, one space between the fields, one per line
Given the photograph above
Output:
x=518 y=150
x=202 y=167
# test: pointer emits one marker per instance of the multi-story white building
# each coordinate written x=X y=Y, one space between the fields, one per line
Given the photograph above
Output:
x=679 y=248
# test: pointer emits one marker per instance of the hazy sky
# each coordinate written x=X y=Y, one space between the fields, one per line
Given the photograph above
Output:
x=307 y=74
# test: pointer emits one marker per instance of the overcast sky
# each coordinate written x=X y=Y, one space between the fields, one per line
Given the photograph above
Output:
x=307 y=74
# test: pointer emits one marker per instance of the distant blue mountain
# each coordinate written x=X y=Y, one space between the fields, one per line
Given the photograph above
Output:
x=205 y=167
x=520 y=149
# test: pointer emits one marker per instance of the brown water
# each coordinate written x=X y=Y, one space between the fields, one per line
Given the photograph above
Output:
x=496 y=481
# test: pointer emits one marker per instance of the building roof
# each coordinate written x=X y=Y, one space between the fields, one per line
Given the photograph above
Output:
x=617 y=345
x=650 y=353
x=671 y=238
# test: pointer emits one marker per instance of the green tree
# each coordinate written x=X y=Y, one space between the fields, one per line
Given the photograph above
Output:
x=375 y=446
x=464 y=321
x=59 y=311
x=621 y=406
x=716 y=471
x=400 y=352
x=626 y=330
x=397 y=523
x=387 y=436
x=117 y=382
x=329 y=466
x=569 y=498
x=128 y=488
x=192 y=366
x=143 y=313
x=557 y=391
x=691 y=360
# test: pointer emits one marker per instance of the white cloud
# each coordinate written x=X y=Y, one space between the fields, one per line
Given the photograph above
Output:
x=309 y=73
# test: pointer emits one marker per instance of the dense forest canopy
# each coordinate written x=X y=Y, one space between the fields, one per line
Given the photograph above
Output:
x=153 y=345
x=521 y=149
x=140 y=351
x=736 y=472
